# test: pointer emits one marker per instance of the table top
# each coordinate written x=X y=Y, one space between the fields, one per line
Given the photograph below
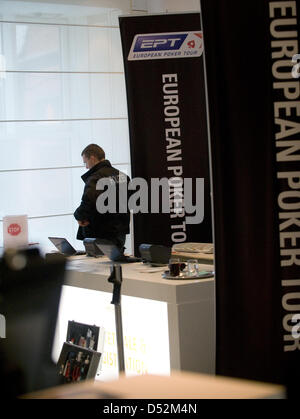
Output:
x=180 y=385
x=139 y=280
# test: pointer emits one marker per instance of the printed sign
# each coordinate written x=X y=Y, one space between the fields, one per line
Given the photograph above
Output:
x=166 y=45
x=168 y=127
x=254 y=143
x=15 y=231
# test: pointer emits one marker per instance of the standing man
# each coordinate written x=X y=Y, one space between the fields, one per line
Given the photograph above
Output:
x=93 y=224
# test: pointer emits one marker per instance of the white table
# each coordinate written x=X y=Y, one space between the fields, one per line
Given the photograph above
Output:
x=190 y=307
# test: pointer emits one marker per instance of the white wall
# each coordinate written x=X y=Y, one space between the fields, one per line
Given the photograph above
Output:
x=62 y=87
x=169 y=6
x=182 y=6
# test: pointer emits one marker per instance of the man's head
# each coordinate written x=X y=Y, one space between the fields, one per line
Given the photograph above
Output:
x=91 y=155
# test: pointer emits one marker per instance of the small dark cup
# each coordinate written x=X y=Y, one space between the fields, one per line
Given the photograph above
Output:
x=174 y=267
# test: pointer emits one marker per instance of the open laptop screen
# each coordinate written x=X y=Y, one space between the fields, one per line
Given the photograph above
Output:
x=63 y=245
x=110 y=250
x=113 y=253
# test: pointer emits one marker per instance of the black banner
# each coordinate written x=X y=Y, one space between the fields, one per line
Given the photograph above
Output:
x=167 y=122
x=254 y=126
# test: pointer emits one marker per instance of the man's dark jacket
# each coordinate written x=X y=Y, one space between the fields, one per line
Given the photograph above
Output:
x=106 y=225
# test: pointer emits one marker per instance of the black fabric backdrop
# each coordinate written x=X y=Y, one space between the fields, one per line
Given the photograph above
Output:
x=146 y=122
x=250 y=313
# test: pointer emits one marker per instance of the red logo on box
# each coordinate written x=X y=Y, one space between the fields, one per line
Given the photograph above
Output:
x=14 y=229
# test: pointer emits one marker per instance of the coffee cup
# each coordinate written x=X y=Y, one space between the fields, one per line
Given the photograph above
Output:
x=174 y=267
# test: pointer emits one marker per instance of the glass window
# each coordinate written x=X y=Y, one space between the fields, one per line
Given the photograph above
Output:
x=63 y=88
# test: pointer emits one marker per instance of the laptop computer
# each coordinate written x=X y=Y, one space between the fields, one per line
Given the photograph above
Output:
x=64 y=247
x=110 y=250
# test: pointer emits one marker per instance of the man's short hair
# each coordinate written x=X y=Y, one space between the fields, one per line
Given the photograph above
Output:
x=94 y=150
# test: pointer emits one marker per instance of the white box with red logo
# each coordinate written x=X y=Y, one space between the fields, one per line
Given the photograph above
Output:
x=15 y=231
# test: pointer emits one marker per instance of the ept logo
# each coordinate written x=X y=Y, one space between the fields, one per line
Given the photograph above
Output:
x=159 y=42
x=14 y=229
x=155 y=46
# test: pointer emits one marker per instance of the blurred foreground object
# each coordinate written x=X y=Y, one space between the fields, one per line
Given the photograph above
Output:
x=180 y=385
x=30 y=288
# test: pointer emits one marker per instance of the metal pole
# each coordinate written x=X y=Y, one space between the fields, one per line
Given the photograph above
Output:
x=116 y=279
x=119 y=324
x=119 y=333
